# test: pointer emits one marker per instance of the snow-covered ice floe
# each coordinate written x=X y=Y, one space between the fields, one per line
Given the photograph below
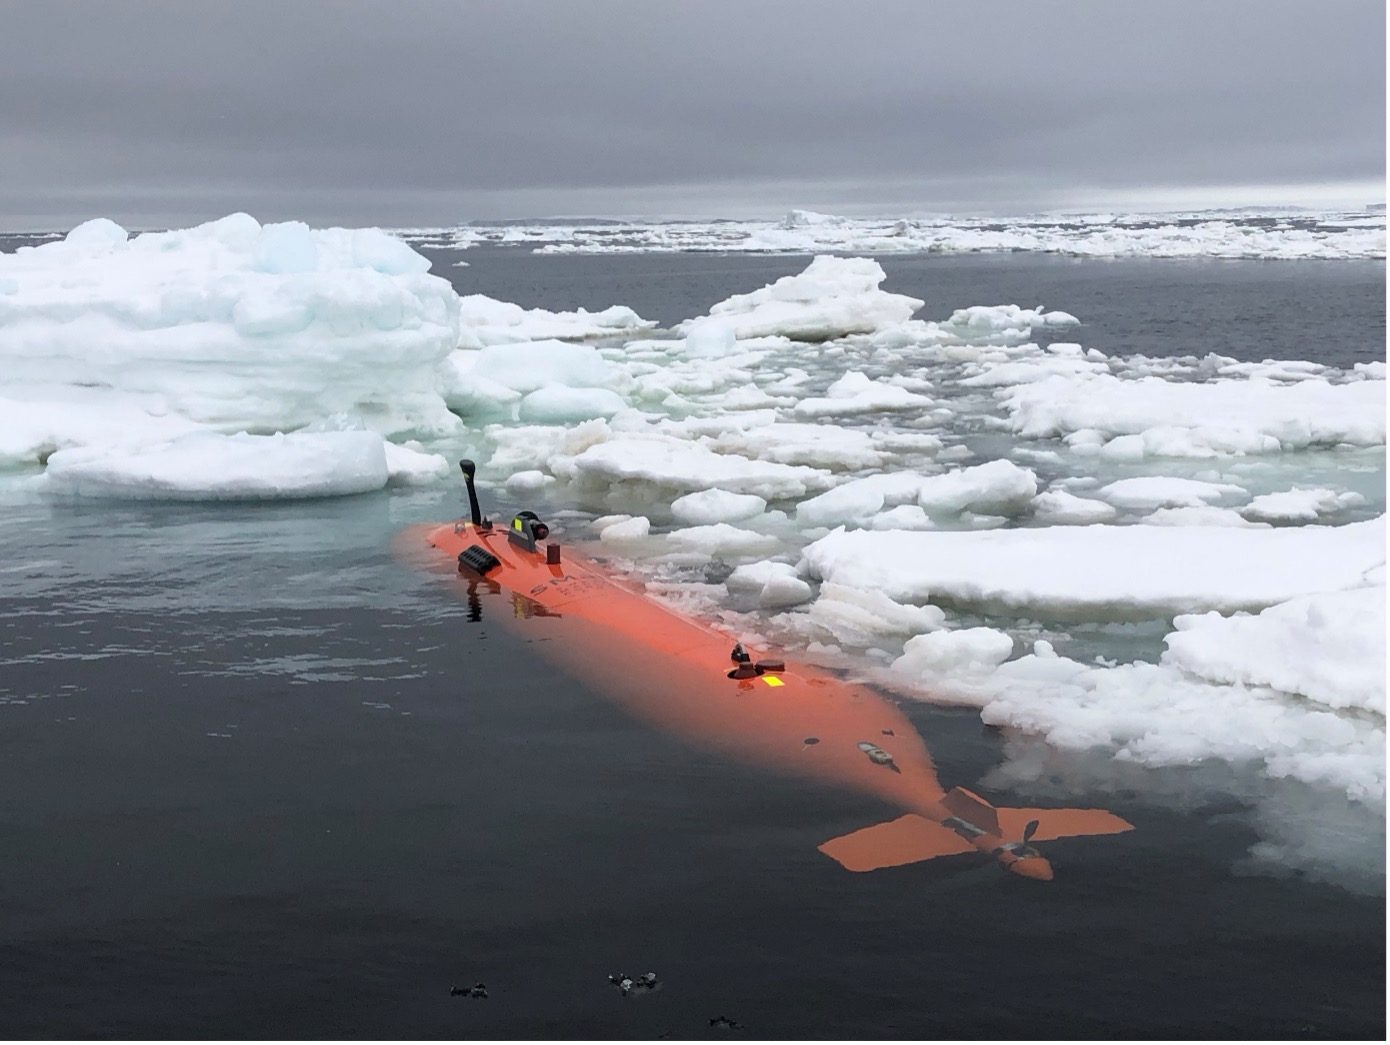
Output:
x=187 y=364
x=232 y=323
x=1273 y=236
x=1102 y=572
x=487 y=321
x=1124 y=418
x=831 y=298
x=208 y=466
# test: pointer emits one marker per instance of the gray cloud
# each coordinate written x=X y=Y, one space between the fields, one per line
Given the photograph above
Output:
x=434 y=111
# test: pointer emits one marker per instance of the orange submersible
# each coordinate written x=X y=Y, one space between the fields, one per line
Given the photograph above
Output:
x=682 y=676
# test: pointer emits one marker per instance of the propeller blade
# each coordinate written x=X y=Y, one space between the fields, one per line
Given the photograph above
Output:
x=1029 y=830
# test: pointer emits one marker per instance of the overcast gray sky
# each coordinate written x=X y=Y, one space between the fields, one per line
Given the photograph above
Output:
x=407 y=111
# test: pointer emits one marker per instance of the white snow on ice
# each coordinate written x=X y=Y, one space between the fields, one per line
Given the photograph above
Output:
x=1310 y=235
x=1112 y=571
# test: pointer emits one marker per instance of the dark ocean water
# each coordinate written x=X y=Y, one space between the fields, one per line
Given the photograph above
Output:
x=259 y=779
x=1329 y=312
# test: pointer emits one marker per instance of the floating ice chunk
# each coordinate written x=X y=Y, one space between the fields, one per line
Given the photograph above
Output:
x=753 y=576
x=855 y=393
x=816 y=445
x=604 y=521
x=1224 y=416
x=1328 y=647
x=782 y=591
x=487 y=321
x=1200 y=515
x=518 y=448
x=411 y=465
x=470 y=393
x=1275 y=370
x=101 y=234
x=1102 y=572
x=549 y=381
x=1028 y=371
x=1161 y=491
x=526 y=368
x=862 y=617
x=233 y=326
x=832 y=297
x=723 y=539
x=556 y=404
x=859 y=499
x=60 y=417
x=626 y=529
x=1374 y=371
x=776 y=583
x=943 y=652
x=796 y=219
x=749 y=397
x=676 y=464
x=1154 y=715
x=1058 y=507
x=207 y=466
x=714 y=506
x=903 y=517
x=1301 y=506
x=1167 y=441
x=529 y=481
x=999 y=324
x=709 y=339
x=996 y=486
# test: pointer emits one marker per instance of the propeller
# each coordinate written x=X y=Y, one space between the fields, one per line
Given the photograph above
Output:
x=1029 y=830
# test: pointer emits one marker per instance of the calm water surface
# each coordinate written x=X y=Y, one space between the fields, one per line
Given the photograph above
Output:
x=1330 y=312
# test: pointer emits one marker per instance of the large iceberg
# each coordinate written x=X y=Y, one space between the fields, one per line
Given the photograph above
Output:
x=231 y=325
x=227 y=361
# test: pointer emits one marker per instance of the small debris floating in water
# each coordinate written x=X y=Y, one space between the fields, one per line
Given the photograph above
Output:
x=641 y=984
x=724 y=1023
x=478 y=990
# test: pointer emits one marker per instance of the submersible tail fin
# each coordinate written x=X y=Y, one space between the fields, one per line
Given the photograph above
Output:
x=970 y=824
x=905 y=840
x=1060 y=823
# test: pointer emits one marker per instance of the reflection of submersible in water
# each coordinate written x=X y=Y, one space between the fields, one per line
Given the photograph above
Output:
x=682 y=676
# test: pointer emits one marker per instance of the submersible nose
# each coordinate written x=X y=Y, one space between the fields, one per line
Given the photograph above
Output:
x=1035 y=867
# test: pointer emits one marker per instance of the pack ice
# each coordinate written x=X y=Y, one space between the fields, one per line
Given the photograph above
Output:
x=988 y=490
x=1279 y=235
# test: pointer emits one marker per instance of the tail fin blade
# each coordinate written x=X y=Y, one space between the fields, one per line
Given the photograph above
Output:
x=971 y=808
x=1060 y=823
x=905 y=840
